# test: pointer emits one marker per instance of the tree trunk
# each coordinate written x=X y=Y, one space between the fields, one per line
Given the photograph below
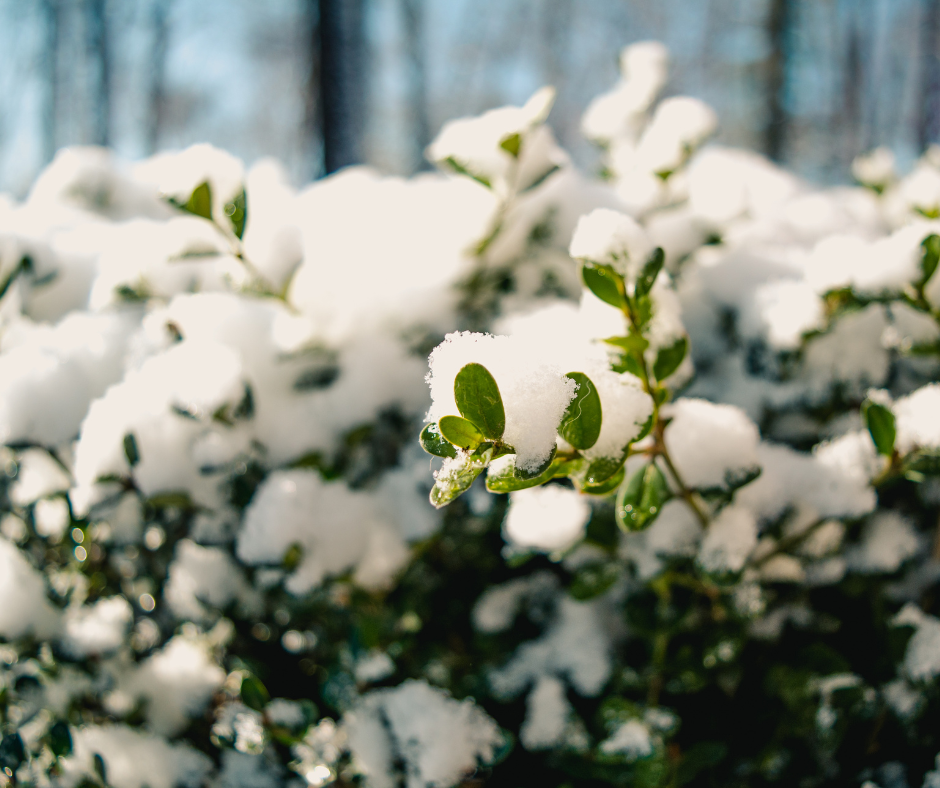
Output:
x=99 y=58
x=342 y=82
x=159 y=43
x=416 y=73
x=928 y=122
x=778 y=30
x=50 y=113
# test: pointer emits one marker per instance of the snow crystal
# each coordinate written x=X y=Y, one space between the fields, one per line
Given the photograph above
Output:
x=51 y=517
x=631 y=739
x=549 y=518
x=336 y=527
x=23 y=604
x=202 y=575
x=608 y=237
x=176 y=683
x=709 y=443
x=38 y=475
x=728 y=541
x=476 y=143
x=438 y=739
x=547 y=711
x=134 y=759
x=96 y=630
x=498 y=606
x=888 y=540
x=576 y=646
x=918 y=419
x=534 y=394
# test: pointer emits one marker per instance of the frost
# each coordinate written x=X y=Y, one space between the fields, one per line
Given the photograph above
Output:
x=134 y=759
x=576 y=646
x=549 y=518
x=728 y=541
x=23 y=604
x=710 y=443
x=98 y=629
x=437 y=738
x=631 y=739
x=534 y=394
x=547 y=712
x=888 y=540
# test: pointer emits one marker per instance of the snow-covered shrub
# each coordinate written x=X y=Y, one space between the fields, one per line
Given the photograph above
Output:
x=679 y=519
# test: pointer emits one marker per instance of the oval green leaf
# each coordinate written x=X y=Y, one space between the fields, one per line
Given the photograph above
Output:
x=581 y=424
x=651 y=269
x=669 y=358
x=600 y=470
x=434 y=443
x=605 y=487
x=200 y=201
x=460 y=432
x=640 y=500
x=605 y=283
x=479 y=401
x=237 y=212
x=881 y=426
x=254 y=693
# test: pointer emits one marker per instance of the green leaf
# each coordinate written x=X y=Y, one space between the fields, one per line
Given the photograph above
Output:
x=651 y=269
x=131 y=452
x=460 y=169
x=12 y=752
x=581 y=424
x=593 y=580
x=512 y=144
x=602 y=469
x=200 y=201
x=605 y=487
x=100 y=768
x=237 y=212
x=524 y=474
x=59 y=739
x=641 y=498
x=928 y=263
x=880 y=423
x=460 y=432
x=506 y=479
x=292 y=557
x=254 y=693
x=177 y=498
x=669 y=358
x=605 y=283
x=632 y=343
x=459 y=477
x=478 y=400
x=434 y=443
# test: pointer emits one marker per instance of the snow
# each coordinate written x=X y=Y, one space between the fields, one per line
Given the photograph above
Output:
x=134 y=759
x=608 y=237
x=710 y=443
x=888 y=540
x=631 y=739
x=23 y=605
x=728 y=541
x=438 y=739
x=200 y=576
x=547 y=711
x=534 y=394
x=97 y=629
x=918 y=419
x=550 y=518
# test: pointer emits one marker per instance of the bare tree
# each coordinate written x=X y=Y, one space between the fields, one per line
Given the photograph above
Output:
x=342 y=81
x=159 y=43
x=928 y=121
x=779 y=22
x=419 y=133
x=51 y=13
x=99 y=57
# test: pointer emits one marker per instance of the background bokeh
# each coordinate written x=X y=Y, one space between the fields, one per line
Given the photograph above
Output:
x=810 y=82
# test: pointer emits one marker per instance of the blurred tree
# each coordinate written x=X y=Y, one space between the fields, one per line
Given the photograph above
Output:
x=928 y=125
x=99 y=57
x=342 y=81
x=779 y=21
x=413 y=16
x=156 y=74
x=51 y=18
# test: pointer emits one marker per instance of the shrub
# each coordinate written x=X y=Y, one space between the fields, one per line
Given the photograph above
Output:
x=679 y=521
